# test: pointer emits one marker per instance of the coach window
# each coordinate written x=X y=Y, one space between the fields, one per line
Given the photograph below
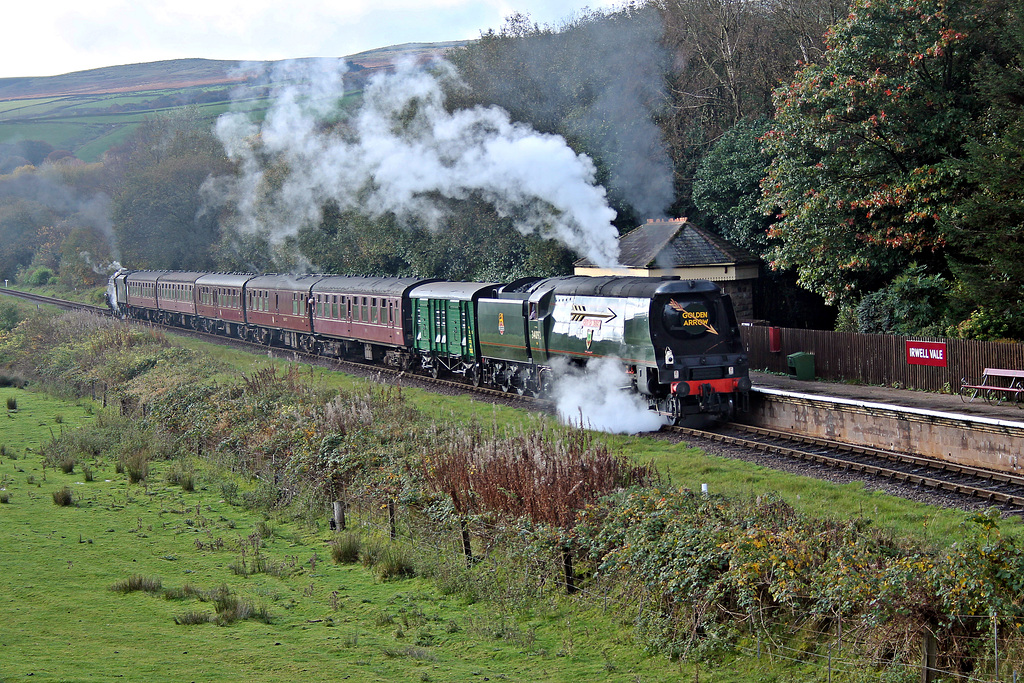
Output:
x=374 y=317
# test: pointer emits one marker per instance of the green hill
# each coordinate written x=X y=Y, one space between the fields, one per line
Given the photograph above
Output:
x=87 y=112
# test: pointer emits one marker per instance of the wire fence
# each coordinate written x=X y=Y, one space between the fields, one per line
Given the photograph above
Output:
x=828 y=643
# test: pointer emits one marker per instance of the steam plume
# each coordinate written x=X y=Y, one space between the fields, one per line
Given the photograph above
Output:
x=401 y=153
x=595 y=398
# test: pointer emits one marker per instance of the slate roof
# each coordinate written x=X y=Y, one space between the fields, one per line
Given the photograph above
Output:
x=674 y=243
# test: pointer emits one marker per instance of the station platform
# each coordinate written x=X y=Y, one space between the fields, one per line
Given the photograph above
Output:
x=895 y=398
x=922 y=423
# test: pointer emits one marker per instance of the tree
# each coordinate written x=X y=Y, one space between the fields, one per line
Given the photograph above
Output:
x=986 y=228
x=160 y=219
x=728 y=57
x=860 y=148
x=727 y=187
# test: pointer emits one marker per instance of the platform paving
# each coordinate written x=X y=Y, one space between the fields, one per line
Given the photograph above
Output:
x=920 y=400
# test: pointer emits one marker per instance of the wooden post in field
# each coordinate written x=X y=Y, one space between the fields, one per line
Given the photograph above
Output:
x=570 y=575
x=391 y=518
x=467 y=546
x=929 y=656
x=339 y=515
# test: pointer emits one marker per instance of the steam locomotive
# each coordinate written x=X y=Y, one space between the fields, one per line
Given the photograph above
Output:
x=677 y=339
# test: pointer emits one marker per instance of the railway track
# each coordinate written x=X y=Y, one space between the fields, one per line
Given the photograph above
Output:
x=997 y=488
x=58 y=303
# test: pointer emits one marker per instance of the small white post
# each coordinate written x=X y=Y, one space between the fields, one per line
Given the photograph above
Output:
x=704 y=489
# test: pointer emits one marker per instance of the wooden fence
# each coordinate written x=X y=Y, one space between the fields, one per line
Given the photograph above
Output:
x=879 y=359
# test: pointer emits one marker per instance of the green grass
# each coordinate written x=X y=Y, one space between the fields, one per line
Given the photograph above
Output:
x=65 y=617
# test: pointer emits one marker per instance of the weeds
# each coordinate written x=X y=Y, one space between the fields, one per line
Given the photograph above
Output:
x=67 y=465
x=345 y=549
x=137 y=582
x=63 y=497
x=387 y=560
x=12 y=403
x=137 y=467
x=231 y=609
x=5 y=498
x=192 y=618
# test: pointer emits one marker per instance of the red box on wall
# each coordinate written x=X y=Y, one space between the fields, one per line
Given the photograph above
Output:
x=774 y=339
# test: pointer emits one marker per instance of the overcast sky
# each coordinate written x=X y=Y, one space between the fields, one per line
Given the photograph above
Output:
x=50 y=37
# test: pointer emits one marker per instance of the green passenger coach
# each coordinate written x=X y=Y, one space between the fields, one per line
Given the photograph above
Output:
x=444 y=326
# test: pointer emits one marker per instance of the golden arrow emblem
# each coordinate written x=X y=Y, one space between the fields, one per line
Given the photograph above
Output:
x=700 y=318
x=580 y=312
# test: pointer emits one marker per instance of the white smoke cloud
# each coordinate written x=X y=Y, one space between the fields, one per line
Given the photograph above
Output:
x=401 y=152
x=598 y=398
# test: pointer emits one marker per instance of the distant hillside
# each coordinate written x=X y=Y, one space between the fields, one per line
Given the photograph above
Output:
x=184 y=73
x=84 y=114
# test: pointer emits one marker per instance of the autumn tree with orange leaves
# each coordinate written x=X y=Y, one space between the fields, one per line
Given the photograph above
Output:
x=862 y=145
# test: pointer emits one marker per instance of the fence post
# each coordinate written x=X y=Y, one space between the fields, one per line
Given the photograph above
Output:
x=467 y=546
x=570 y=576
x=929 y=655
x=995 y=640
x=339 y=515
x=392 y=523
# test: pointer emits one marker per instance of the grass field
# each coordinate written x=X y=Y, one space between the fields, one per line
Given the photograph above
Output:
x=196 y=549
x=60 y=620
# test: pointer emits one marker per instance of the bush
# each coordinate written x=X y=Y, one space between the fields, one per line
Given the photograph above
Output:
x=40 y=276
x=5 y=498
x=16 y=381
x=87 y=473
x=67 y=465
x=192 y=618
x=63 y=497
x=345 y=549
x=12 y=403
x=137 y=466
x=136 y=582
x=9 y=317
x=388 y=561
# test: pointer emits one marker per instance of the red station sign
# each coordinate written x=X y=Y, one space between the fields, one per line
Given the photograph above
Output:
x=926 y=353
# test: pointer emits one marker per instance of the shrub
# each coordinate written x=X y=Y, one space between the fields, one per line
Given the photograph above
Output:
x=40 y=276
x=9 y=317
x=345 y=549
x=87 y=473
x=12 y=403
x=16 y=381
x=230 y=609
x=192 y=618
x=186 y=591
x=388 y=561
x=67 y=465
x=137 y=582
x=137 y=466
x=229 y=490
x=63 y=497
x=5 y=498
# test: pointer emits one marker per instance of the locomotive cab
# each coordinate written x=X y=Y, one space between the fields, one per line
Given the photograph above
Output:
x=701 y=363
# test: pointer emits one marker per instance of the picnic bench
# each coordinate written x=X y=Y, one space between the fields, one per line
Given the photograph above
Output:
x=996 y=385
